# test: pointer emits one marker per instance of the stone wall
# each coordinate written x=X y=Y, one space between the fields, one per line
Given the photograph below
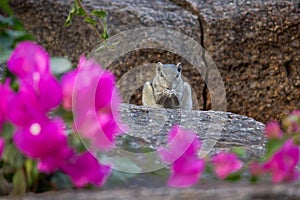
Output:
x=255 y=44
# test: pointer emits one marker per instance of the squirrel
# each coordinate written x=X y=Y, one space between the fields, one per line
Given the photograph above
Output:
x=167 y=89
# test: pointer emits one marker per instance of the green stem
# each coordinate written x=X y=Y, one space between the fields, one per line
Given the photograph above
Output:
x=87 y=14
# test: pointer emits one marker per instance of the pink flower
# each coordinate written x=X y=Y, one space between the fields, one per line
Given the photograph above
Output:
x=282 y=165
x=292 y=122
x=182 y=150
x=2 y=143
x=45 y=141
x=296 y=113
x=273 y=130
x=67 y=83
x=256 y=169
x=225 y=164
x=6 y=94
x=28 y=59
x=24 y=107
x=106 y=93
x=84 y=169
x=33 y=101
x=46 y=90
x=97 y=111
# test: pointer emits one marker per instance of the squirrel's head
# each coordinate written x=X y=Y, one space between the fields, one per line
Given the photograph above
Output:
x=168 y=75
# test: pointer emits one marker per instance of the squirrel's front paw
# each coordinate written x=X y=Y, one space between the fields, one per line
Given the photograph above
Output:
x=169 y=93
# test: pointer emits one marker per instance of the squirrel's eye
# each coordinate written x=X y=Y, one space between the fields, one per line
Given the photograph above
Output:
x=177 y=75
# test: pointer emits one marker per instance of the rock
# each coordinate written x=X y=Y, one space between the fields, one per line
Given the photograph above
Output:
x=218 y=130
x=48 y=29
x=206 y=191
x=255 y=44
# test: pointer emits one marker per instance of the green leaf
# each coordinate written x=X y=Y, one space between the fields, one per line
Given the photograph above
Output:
x=60 y=65
x=81 y=12
x=12 y=156
x=16 y=33
x=99 y=13
x=272 y=146
x=19 y=183
x=70 y=16
x=90 y=21
x=7 y=131
x=61 y=181
x=31 y=172
x=122 y=163
x=254 y=179
x=4 y=6
x=233 y=177
x=239 y=151
x=118 y=178
x=105 y=35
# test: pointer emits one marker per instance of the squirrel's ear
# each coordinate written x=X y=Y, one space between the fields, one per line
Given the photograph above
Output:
x=159 y=66
x=179 y=67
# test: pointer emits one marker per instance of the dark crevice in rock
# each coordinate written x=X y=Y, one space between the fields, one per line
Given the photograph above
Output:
x=188 y=7
x=288 y=69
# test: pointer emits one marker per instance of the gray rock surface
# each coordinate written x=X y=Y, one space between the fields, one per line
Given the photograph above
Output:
x=218 y=130
x=206 y=191
x=255 y=44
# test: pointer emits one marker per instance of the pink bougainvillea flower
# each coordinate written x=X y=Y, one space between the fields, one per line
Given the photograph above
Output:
x=225 y=164
x=47 y=90
x=67 y=84
x=45 y=141
x=282 y=165
x=273 y=130
x=2 y=142
x=24 y=108
x=292 y=122
x=256 y=169
x=84 y=169
x=28 y=59
x=296 y=113
x=96 y=113
x=33 y=101
x=182 y=150
x=108 y=96
x=6 y=94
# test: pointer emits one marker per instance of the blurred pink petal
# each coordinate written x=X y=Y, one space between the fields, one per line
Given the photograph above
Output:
x=67 y=83
x=225 y=164
x=106 y=88
x=273 y=130
x=84 y=169
x=6 y=94
x=292 y=122
x=27 y=59
x=186 y=171
x=24 y=107
x=282 y=165
x=180 y=143
x=182 y=150
x=96 y=113
x=45 y=141
x=2 y=144
x=256 y=169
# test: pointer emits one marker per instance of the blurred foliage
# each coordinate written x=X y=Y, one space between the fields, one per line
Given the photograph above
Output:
x=4 y=7
x=11 y=32
x=90 y=18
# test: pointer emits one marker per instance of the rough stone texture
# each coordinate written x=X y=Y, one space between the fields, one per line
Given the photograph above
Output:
x=207 y=192
x=149 y=128
x=45 y=19
x=255 y=44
